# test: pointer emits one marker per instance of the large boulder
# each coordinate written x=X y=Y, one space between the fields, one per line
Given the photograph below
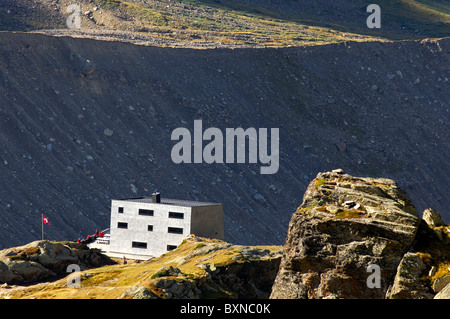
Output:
x=432 y=217
x=407 y=282
x=44 y=259
x=21 y=271
x=345 y=230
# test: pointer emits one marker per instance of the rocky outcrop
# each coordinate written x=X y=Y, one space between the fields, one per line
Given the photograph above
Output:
x=358 y=237
x=244 y=272
x=42 y=260
x=170 y=283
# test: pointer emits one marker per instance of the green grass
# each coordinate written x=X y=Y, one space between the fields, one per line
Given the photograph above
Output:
x=194 y=21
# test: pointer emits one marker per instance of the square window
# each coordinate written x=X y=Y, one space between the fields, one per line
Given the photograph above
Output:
x=120 y=210
x=150 y=227
x=122 y=225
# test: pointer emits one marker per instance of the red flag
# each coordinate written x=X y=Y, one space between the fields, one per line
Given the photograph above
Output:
x=45 y=220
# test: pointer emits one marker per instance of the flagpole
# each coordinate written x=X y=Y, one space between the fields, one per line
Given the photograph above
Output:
x=42 y=222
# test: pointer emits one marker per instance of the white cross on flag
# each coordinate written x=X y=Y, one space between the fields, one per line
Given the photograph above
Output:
x=45 y=220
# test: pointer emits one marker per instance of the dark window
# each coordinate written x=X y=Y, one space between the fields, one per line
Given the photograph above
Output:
x=122 y=225
x=145 y=212
x=137 y=244
x=121 y=210
x=175 y=230
x=171 y=247
x=150 y=227
x=176 y=215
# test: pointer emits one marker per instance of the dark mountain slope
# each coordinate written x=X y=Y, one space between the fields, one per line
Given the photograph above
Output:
x=85 y=121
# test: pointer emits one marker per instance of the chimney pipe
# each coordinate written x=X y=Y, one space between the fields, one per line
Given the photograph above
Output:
x=156 y=197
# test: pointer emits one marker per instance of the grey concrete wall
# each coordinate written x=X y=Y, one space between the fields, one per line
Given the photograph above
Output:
x=207 y=221
x=158 y=239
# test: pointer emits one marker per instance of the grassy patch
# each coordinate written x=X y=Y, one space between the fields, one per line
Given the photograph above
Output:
x=164 y=272
x=319 y=182
x=349 y=213
x=217 y=23
x=109 y=4
x=25 y=254
x=304 y=209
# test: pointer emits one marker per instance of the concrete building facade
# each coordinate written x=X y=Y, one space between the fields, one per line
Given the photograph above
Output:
x=147 y=227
